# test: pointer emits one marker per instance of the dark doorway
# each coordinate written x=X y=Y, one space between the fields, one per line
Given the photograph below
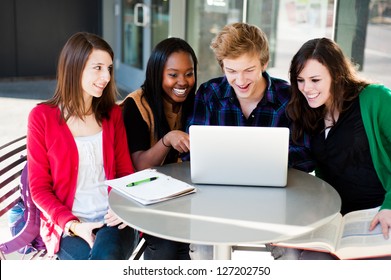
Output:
x=33 y=32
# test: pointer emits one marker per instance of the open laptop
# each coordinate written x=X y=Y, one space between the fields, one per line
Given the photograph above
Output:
x=239 y=155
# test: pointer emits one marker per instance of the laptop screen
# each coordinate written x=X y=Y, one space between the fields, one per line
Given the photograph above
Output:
x=239 y=155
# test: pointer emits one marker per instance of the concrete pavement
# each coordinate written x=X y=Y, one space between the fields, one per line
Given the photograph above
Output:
x=17 y=98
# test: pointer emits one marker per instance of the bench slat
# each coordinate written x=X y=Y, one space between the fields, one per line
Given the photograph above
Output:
x=12 y=165
x=12 y=142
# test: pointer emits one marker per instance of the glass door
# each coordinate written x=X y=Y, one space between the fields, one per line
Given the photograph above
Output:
x=143 y=24
x=205 y=18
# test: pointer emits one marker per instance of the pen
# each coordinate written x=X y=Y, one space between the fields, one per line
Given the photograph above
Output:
x=141 y=181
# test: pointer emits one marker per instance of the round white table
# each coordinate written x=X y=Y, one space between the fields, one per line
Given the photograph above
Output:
x=231 y=215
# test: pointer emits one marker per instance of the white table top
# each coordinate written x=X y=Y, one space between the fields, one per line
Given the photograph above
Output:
x=230 y=215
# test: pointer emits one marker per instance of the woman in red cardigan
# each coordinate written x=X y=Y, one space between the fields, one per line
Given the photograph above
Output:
x=77 y=140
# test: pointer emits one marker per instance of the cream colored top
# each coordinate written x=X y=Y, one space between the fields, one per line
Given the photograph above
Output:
x=91 y=198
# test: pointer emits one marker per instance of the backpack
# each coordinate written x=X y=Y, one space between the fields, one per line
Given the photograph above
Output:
x=24 y=222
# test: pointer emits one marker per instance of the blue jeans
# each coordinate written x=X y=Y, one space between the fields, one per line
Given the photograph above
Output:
x=110 y=243
x=162 y=249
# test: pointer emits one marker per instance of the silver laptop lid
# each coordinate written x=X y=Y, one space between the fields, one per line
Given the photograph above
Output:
x=238 y=155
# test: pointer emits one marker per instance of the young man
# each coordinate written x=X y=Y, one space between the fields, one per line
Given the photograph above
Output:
x=246 y=95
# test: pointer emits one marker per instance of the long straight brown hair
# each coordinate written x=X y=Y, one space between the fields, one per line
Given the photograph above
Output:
x=69 y=92
x=345 y=84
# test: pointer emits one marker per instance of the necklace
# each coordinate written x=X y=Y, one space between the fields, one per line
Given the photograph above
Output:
x=328 y=122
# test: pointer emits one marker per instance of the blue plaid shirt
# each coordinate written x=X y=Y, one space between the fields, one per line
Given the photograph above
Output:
x=216 y=104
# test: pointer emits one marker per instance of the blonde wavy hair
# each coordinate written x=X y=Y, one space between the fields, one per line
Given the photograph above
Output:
x=240 y=38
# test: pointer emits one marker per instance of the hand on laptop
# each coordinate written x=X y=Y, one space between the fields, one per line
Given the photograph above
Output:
x=179 y=140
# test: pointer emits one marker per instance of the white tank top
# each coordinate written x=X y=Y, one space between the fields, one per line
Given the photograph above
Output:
x=91 y=198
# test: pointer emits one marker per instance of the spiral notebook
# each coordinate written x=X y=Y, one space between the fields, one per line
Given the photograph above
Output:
x=239 y=155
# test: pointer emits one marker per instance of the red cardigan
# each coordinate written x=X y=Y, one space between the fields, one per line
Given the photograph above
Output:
x=53 y=166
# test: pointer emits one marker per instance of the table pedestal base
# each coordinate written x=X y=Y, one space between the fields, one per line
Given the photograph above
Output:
x=222 y=252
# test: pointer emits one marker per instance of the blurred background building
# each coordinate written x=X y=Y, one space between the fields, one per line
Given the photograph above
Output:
x=33 y=32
